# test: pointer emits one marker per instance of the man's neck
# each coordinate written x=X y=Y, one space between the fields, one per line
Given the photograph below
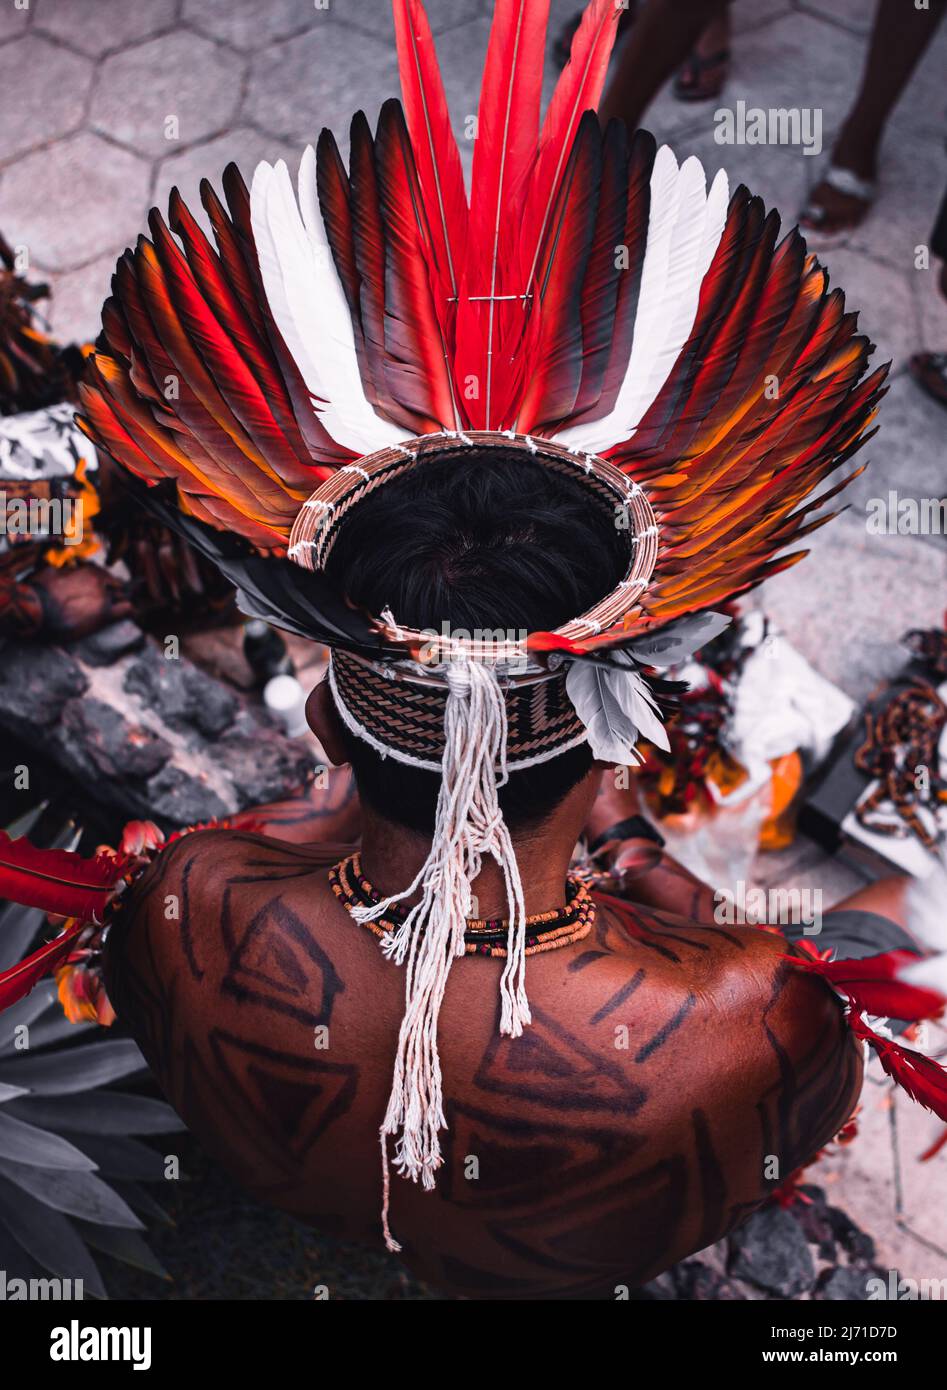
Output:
x=392 y=856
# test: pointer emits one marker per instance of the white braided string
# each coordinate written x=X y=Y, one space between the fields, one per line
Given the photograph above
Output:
x=468 y=825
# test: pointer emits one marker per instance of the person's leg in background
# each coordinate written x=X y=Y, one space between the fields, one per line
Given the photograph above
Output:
x=929 y=369
x=662 y=36
x=900 y=35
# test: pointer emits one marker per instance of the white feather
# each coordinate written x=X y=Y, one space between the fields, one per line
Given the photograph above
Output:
x=615 y=706
x=684 y=231
x=309 y=307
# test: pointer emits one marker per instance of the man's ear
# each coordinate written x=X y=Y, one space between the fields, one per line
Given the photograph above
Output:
x=323 y=719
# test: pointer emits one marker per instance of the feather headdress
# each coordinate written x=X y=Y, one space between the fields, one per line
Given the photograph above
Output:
x=591 y=302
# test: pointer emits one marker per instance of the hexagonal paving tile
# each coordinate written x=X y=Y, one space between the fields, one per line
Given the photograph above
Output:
x=244 y=146
x=75 y=200
x=883 y=298
x=106 y=24
x=374 y=16
x=249 y=25
x=76 y=298
x=319 y=79
x=13 y=21
x=140 y=91
x=44 y=90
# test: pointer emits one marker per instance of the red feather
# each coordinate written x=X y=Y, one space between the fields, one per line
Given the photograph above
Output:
x=603 y=276
x=577 y=91
x=440 y=174
x=873 y=986
x=16 y=983
x=555 y=313
x=921 y=1077
x=504 y=151
x=57 y=880
x=416 y=366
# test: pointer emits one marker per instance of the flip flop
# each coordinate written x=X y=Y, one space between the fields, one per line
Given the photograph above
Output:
x=850 y=185
x=696 y=65
x=929 y=370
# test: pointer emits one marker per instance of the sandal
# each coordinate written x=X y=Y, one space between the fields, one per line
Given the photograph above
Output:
x=860 y=192
x=929 y=370
x=694 y=81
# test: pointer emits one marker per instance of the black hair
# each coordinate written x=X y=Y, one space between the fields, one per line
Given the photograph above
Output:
x=484 y=539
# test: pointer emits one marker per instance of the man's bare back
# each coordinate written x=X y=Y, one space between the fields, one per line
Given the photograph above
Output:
x=634 y=1122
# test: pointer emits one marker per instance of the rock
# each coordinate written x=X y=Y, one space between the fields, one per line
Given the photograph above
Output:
x=262 y=763
x=180 y=694
x=35 y=684
x=814 y=1220
x=173 y=795
x=696 y=1281
x=770 y=1251
x=98 y=741
x=104 y=647
x=845 y=1284
x=854 y=1241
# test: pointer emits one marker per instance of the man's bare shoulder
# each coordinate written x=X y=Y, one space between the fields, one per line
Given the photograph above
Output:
x=191 y=905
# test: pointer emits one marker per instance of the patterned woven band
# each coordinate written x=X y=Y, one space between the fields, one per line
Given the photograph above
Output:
x=403 y=718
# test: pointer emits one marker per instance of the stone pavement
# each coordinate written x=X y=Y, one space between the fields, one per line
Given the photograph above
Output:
x=106 y=104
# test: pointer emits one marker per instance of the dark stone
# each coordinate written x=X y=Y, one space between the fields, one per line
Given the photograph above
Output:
x=97 y=740
x=854 y=1241
x=175 y=796
x=35 y=684
x=699 y=1282
x=845 y=1283
x=105 y=647
x=181 y=695
x=770 y=1251
x=813 y=1217
x=263 y=765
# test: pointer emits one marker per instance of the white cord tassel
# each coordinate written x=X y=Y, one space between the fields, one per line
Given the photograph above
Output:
x=468 y=825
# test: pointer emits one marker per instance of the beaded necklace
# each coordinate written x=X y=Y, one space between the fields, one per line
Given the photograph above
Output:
x=546 y=931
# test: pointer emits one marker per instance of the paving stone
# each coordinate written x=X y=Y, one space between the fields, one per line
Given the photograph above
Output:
x=374 y=16
x=102 y=25
x=884 y=300
x=44 y=92
x=298 y=87
x=179 y=75
x=249 y=25
x=76 y=296
x=854 y=15
x=752 y=14
x=244 y=146
x=70 y=203
x=906 y=455
x=13 y=20
x=848 y=604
